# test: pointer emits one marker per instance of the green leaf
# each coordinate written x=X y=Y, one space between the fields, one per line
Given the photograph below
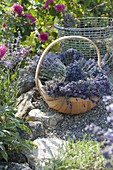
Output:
x=3 y=152
x=26 y=128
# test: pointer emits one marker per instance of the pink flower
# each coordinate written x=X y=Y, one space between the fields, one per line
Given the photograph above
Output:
x=49 y=1
x=29 y=16
x=26 y=23
x=46 y=5
x=59 y=7
x=4 y=24
x=17 y=8
x=43 y=36
x=2 y=50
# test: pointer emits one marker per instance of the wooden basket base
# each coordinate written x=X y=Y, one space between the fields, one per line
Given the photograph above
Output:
x=70 y=105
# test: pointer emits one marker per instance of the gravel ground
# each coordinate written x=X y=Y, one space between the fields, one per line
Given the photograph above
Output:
x=73 y=126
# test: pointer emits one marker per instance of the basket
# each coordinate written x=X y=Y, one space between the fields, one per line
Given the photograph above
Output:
x=98 y=29
x=62 y=104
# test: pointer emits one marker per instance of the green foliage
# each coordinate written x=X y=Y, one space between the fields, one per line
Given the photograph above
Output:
x=9 y=136
x=83 y=155
x=8 y=86
x=14 y=23
x=79 y=8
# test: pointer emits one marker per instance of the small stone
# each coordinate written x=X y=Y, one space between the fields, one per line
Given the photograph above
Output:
x=24 y=109
x=47 y=119
x=35 y=115
x=24 y=103
x=37 y=130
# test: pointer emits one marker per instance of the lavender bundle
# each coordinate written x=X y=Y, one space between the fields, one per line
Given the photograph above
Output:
x=83 y=78
x=51 y=67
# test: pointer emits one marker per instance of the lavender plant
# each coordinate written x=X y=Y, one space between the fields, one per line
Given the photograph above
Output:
x=12 y=59
x=15 y=55
x=105 y=137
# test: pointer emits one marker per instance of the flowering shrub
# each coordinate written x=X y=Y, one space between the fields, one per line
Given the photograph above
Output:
x=38 y=27
x=15 y=19
x=24 y=16
x=46 y=5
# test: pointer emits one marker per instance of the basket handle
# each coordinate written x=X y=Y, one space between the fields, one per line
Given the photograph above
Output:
x=52 y=44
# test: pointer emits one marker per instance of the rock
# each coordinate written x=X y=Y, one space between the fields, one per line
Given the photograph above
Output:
x=48 y=119
x=24 y=103
x=37 y=130
x=45 y=150
x=13 y=166
x=24 y=108
x=27 y=80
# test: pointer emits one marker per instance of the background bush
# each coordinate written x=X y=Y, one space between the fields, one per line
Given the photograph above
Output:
x=79 y=8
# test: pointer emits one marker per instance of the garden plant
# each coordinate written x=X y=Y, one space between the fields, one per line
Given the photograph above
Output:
x=24 y=33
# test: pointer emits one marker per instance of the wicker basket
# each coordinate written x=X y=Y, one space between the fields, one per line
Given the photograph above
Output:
x=97 y=29
x=71 y=105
